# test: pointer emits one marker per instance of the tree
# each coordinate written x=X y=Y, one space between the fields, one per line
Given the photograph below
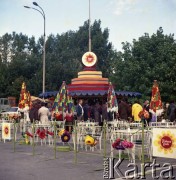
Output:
x=21 y=58
x=146 y=59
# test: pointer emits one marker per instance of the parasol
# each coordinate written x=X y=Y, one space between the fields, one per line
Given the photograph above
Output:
x=60 y=102
x=25 y=103
x=156 y=103
x=25 y=98
x=70 y=104
x=112 y=99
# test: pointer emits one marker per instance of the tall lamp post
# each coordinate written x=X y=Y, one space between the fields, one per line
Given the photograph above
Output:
x=41 y=11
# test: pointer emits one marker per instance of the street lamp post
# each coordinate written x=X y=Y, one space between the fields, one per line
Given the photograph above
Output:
x=41 y=11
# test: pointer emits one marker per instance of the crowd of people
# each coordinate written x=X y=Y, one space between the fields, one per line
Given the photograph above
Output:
x=98 y=112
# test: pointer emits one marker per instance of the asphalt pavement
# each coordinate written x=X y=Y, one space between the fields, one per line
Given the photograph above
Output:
x=23 y=165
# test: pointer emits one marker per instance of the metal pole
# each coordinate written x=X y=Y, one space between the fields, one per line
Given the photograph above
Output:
x=44 y=66
x=44 y=59
x=89 y=30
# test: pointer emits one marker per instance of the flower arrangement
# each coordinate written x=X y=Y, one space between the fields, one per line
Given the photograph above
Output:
x=120 y=144
x=64 y=135
x=89 y=140
x=61 y=132
x=29 y=134
x=50 y=133
x=58 y=116
x=41 y=133
x=144 y=114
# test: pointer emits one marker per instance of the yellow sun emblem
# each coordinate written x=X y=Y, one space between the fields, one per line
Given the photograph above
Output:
x=166 y=142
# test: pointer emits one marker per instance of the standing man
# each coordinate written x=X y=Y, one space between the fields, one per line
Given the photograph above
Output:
x=104 y=112
x=43 y=114
x=86 y=111
x=123 y=110
x=147 y=108
x=79 y=110
x=171 y=111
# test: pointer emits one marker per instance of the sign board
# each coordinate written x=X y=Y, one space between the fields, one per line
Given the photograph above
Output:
x=6 y=131
x=164 y=142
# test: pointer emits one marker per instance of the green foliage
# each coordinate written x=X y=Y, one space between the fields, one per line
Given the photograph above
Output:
x=146 y=59
x=133 y=69
x=21 y=58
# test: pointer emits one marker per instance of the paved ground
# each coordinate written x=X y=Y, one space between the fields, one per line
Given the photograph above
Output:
x=22 y=165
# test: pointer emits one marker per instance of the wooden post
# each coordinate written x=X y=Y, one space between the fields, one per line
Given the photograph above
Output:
x=55 y=139
x=33 y=143
x=142 y=158
x=75 y=157
x=104 y=133
x=14 y=137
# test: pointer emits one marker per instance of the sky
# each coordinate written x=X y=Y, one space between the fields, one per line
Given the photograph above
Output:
x=125 y=19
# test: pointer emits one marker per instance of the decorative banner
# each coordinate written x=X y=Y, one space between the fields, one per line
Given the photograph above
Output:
x=164 y=142
x=6 y=132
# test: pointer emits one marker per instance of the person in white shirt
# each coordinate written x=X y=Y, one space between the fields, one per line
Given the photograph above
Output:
x=43 y=114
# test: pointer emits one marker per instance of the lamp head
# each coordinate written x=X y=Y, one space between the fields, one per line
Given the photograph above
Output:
x=27 y=7
x=34 y=3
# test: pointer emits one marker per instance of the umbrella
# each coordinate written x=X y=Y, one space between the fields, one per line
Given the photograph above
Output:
x=156 y=103
x=70 y=104
x=60 y=102
x=25 y=97
x=112 y=99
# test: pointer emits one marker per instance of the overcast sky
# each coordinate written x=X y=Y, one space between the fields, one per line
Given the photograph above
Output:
x=126 y=19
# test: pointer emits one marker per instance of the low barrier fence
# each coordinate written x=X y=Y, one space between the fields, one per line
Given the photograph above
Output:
x=55 y=135
x=83 y=137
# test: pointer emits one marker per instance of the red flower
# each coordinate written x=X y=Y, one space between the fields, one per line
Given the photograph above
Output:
x=42 y=134
x=29 y=134
x=144 y=114
x=50 y=133
x=38 y=131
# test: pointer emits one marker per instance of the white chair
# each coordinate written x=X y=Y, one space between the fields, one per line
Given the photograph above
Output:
x=125 y=135
x=135 y=125
x=137 y=140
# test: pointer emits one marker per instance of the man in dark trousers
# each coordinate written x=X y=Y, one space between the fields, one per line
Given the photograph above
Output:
x=86 y=111
x=79 y=110
x=172 y=111
x=123 y=109
x=147 y=108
